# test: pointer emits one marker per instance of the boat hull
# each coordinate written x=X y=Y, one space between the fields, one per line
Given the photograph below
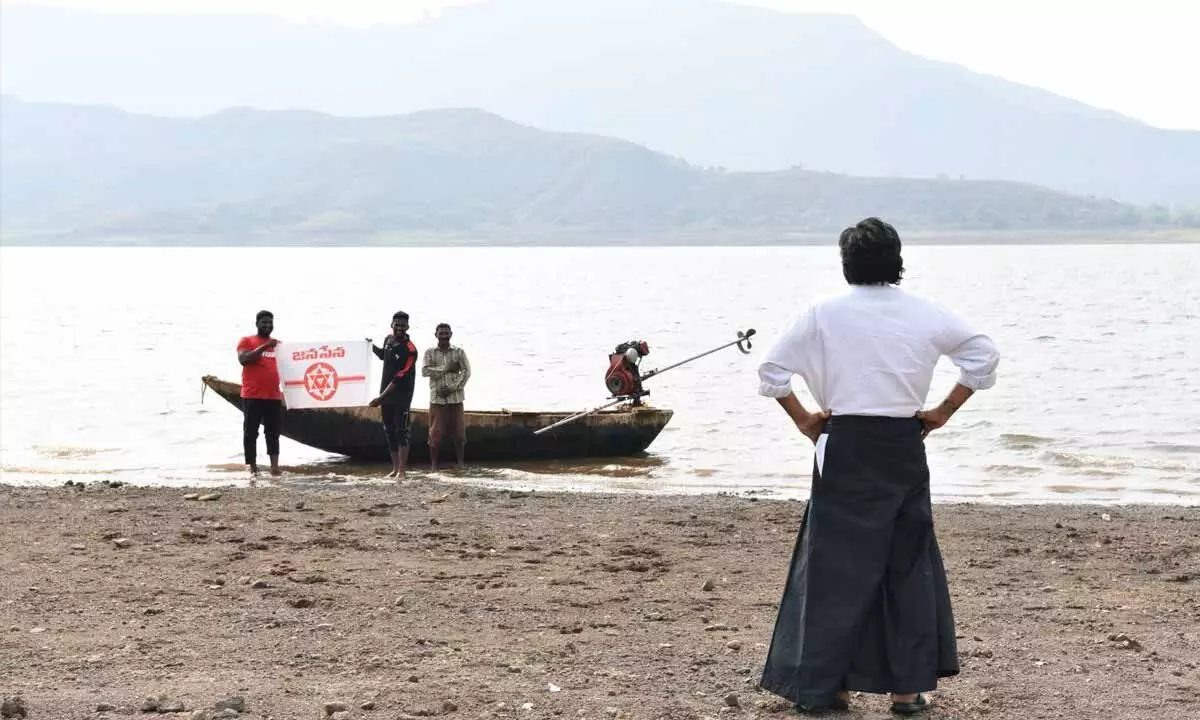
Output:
x=357 y=432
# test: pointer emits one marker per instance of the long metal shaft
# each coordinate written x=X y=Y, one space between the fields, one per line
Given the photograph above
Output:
x=577 y=416
x=652 y=373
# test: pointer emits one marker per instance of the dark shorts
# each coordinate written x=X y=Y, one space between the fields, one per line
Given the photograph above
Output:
x=395 y=425
x=447 y=421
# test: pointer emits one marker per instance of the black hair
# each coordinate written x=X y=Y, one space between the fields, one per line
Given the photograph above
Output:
x=871 y=253
x=443 y=325
x=399 y=315
x=264 y=314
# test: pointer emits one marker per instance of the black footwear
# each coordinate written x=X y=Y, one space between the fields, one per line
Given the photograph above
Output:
x=834 y=704
x=911 y=708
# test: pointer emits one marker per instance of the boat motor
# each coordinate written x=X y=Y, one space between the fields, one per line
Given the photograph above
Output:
x=623 y=377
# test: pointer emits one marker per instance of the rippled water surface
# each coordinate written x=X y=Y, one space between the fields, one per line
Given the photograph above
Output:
x=102 y=350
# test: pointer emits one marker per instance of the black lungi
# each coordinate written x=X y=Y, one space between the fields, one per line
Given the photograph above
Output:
x=866 y=606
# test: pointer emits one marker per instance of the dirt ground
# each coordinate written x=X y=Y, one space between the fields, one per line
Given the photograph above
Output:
x=426 y=600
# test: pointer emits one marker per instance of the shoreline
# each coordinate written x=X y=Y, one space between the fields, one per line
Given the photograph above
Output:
x=1144 y=499
x=458 y=601
x=571 y=238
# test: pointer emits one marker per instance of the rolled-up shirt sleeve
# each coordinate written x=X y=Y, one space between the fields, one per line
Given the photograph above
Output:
x=787 y=357
x=973 y=353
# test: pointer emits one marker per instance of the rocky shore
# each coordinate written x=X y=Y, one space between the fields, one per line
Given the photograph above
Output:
x=441 y=600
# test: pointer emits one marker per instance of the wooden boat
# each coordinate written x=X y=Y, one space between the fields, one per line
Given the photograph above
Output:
x=357 y=432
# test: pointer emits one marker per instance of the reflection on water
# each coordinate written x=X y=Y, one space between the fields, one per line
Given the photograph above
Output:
x=1092 y=402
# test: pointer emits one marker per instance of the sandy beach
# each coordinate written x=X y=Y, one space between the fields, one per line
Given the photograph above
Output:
x=445 y=600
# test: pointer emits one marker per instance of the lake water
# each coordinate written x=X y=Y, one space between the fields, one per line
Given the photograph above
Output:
x=102 y=351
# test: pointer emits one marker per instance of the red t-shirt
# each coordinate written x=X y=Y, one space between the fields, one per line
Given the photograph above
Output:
x=260 y=377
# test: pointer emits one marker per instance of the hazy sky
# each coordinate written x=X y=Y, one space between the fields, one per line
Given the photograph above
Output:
x=1138 y=57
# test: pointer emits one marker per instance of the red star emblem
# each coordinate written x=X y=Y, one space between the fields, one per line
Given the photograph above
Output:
x=321 y=381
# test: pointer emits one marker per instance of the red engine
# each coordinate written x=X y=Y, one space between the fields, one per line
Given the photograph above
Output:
x=623 y=377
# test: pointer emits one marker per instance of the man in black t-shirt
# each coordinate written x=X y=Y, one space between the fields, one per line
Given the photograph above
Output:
x=396 y=387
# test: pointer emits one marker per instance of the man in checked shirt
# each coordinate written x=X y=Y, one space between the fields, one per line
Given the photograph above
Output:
x=448 y=370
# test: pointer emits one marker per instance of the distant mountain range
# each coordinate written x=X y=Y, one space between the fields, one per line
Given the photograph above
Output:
x=715 y=84
x=86 y=171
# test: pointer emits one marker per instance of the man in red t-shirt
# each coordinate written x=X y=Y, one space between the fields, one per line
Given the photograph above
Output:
x=262 y=400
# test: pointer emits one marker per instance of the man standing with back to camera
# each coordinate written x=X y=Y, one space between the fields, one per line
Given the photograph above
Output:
x=866 y=605
x=262 y=399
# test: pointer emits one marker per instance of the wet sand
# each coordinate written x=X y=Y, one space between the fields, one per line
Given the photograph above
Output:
x=427 y=600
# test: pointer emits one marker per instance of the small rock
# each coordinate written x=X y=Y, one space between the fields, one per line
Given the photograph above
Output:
x=166 y=705
x=368 y=705
x=210 y=497
x=553 y=688
x=448 y=706
x=732 y=700
x=708 y=585
x=79 y=547
x=236 y=703
x=192 y=496
x=717 y=627
x=123 y=542
x=105 y=707
x=227 y=714
x=611 y=711
x=302 y=602
x=13 y=707
x=734 y=644
x=1124 y=641
x=413 y=679
x=333 y=707
x=400 y=601
x=260 y=584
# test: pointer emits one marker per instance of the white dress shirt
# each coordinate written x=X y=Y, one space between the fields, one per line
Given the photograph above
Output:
x=872 y=350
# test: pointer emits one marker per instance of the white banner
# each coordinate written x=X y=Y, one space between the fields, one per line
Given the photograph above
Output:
x=324 y=374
